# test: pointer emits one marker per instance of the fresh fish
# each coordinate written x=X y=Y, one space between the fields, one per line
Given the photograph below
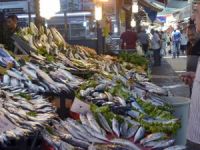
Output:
x=6 y=79
x=124 y=129
x=126 y=143
x=136 y=105
x=121 y=101
x=104 y=123
x=84 y=120
x=177 y=147
x=134 y=114
x=151 y=144
x=86 y=92
x=14 y=82
x=139 y=134
x=93 y=122
x=30 y=72
x=94 y=133
x=115 y=127
x=132 y=131
x=15 y=75
x=100 y=87
x=75 y=142
x=132 y=122
x=163 y=144
x=153 y=137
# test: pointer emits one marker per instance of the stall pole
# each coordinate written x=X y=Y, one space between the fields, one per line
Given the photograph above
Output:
x=38 y=19
x=65 y=23
x=29 y=12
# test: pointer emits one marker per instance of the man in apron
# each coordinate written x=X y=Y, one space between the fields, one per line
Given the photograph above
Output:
x=193 y=133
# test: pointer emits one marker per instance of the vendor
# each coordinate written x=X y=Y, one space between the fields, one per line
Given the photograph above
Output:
x=10 y=29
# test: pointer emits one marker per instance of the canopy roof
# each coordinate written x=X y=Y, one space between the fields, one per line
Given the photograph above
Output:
x=151 y=5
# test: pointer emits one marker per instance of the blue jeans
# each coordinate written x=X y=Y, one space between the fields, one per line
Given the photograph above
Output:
x=176 y=49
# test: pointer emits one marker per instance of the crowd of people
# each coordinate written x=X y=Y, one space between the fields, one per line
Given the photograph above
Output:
x=161 y=43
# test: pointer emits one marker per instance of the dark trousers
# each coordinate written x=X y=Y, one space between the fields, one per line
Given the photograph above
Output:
x=192 y=146
x=144 y=48
x=157 y=57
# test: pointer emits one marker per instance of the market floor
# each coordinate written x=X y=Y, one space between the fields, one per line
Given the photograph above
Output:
x=168 y=75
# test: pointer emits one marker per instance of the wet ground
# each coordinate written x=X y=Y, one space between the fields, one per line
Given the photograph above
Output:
x=168 y=75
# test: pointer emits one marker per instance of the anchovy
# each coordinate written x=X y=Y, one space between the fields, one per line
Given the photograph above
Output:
x=115 y=127
x=139 y=134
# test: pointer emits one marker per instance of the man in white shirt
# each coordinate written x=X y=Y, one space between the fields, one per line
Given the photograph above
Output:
x=155 y=46
x=191 y=78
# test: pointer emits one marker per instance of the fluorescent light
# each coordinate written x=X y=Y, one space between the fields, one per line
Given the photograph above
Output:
x=49 y=8
x=98 y=12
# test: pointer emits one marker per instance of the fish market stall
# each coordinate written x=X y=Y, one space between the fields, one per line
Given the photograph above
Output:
x=115 y=104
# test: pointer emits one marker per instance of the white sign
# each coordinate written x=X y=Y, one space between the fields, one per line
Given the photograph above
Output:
x=79 y=106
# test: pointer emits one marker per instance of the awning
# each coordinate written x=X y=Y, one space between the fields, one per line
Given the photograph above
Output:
x=150 y=5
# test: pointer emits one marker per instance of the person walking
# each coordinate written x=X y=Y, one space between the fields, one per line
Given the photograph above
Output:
x=176 y=37
x=128 y=39
x=192 y=78
x=143 y=39
x=163 y=43
x=184 y=41
x=155 y=46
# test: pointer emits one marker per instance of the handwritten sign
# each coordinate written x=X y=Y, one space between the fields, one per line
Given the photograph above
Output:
x=79 y=106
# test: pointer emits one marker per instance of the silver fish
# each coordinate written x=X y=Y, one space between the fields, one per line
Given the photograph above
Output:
x=6 y=79
x=115 y=127
x=137 y=106
x=177 y=147
x=104 y=123
x=132 y=131
x=121 y=101
x=124 y=129
x=126 y=143
x=15 y=75
x=164 y=144
x=139 y=134
x=93 y=122
x=153 y=137
x=84 y=120
x=133 y=114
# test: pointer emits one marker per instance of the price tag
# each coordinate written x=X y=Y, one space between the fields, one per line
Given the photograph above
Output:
x=5 y=124
x=79 y=106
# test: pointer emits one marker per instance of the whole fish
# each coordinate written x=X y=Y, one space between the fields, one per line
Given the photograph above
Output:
x=151 y=144
x=115 y=127
x=121 y=101
x=94 y=133
x=104 y=123
x=153 y=137
x=163 y=144
x=133 y=114
x=6 y=79
x=83 y=119
x=30 y=72
x=124 y=129
x=100 y=87
x=93 y=122
x=126 y=143
x=15 y=75
x=132 y=131
x=177 y=147
x=136 y=105
x=139 y=134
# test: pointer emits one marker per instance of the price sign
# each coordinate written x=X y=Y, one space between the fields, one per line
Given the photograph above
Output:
x=79 y=106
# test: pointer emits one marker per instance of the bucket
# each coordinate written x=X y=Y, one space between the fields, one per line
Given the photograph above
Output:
x=181 y=111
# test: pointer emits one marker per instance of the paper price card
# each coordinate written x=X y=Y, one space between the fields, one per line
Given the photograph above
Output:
x=79 y=106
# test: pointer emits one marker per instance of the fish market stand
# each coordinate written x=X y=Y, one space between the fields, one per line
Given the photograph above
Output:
x=117 y=106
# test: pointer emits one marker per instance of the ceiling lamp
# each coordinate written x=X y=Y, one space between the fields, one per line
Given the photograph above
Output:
x=135 y=7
